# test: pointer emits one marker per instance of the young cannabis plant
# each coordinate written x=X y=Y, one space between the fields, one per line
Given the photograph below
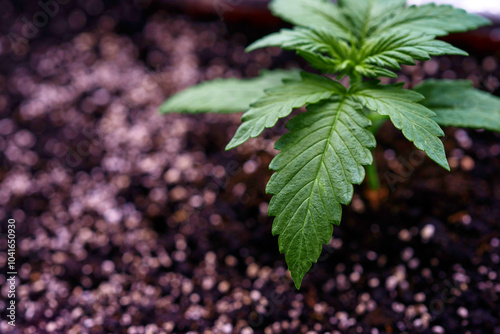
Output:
x=327 y=148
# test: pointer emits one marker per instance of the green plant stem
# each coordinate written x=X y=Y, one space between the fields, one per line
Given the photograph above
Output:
x=372 y=176
x=354 y=79
x=377 y=122
x=371 y=170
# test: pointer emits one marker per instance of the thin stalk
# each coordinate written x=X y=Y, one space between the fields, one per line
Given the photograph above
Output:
x=377 y=122
x=371 y=170
x=372 y=176
x=354 y=79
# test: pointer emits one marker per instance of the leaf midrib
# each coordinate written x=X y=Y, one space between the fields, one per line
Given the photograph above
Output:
x=322 y=162
x=315 y=179
x=330 y=19
x=364 y=31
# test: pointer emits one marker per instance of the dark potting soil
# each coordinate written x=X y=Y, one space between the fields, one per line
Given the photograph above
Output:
x=133 y=222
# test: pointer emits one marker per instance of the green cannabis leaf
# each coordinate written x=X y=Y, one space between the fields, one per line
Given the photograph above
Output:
x=391 y=49
x=412 y=118
x=431 y=19
x=457 y=103
x=322 y=156
x=329 y=146
x=314 y=40
x=313 y=13
x=280 y=101
x=225 y=95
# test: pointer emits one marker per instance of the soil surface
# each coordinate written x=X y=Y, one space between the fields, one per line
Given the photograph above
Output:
x=133 y=222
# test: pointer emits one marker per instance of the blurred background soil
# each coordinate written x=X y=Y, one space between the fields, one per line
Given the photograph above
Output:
x=133 y=222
